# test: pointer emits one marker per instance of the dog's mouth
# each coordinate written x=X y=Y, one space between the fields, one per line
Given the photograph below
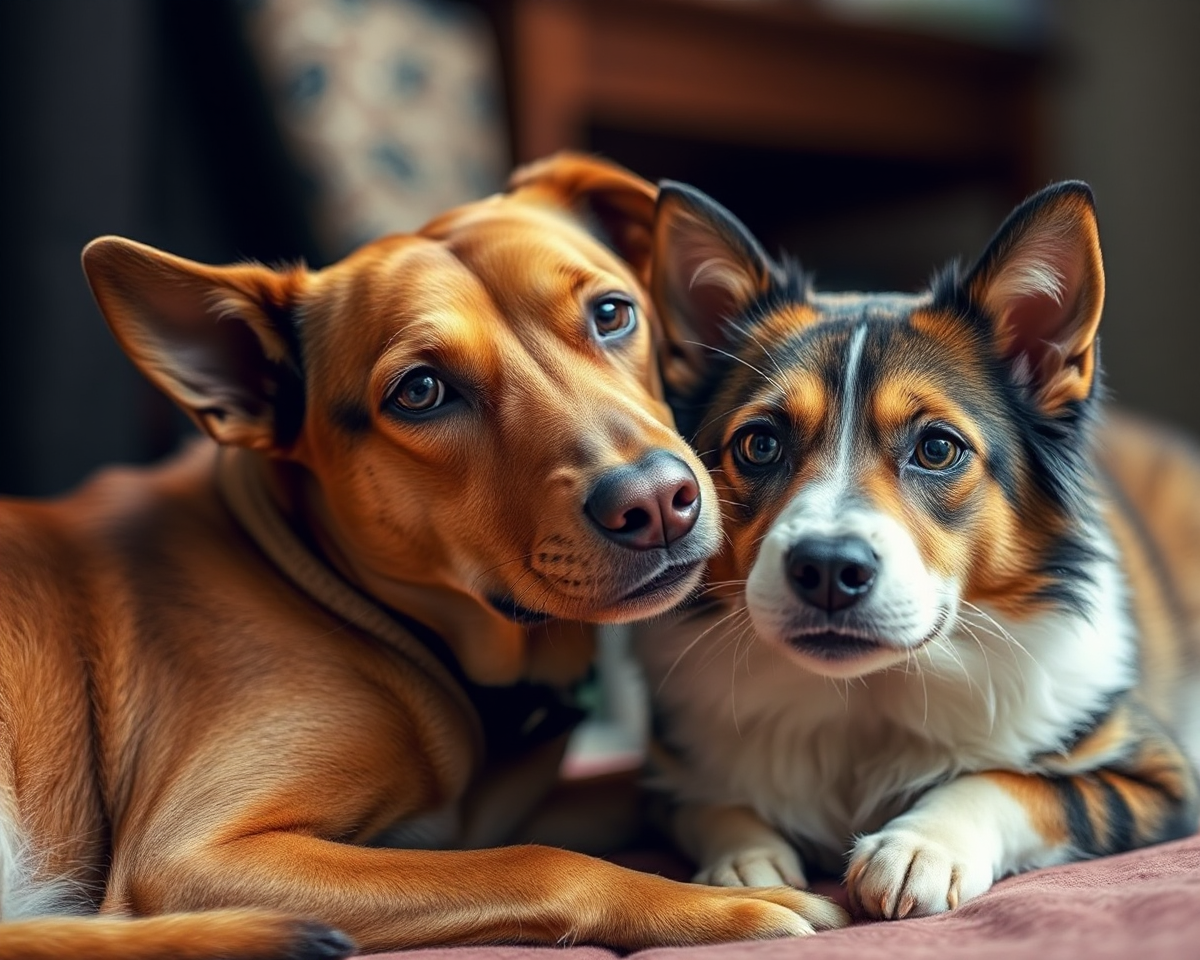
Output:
x=835 y=647
x=660 y=590
x=507 y=607
x=843 y=647
x=663 y=582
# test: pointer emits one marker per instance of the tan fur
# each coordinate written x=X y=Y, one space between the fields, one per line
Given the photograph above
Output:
x=1154 y=479
x=185 y=730
x=1015 y=626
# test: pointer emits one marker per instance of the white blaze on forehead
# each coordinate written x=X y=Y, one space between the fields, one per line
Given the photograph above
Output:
x=907 y=600
x=823 y=497
x=854 y=352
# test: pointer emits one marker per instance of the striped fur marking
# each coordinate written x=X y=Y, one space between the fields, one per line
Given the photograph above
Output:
x=976 y=701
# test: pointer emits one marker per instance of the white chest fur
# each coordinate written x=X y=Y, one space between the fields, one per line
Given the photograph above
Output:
x=823 y=760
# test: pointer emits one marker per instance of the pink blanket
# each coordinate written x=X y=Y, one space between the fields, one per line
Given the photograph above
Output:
x=1143 y=905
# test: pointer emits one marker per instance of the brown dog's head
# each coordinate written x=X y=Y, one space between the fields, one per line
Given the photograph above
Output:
x=475 y=407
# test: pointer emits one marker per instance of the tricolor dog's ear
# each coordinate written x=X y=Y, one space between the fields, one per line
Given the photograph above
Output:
x=708 y=270
x=617 y=205
x=1041 y=285
x=217 y=340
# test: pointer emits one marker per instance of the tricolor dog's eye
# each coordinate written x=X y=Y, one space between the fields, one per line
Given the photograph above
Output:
x=420 y=391
x=757 y=447
x=613 y=315
x=937 y=451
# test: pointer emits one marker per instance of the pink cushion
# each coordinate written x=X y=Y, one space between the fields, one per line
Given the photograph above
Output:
x=1136 y=906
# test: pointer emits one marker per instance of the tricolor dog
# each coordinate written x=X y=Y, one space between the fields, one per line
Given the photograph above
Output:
x=245 y=694
x=953 y=630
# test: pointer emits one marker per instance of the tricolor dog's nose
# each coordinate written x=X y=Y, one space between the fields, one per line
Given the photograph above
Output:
x=831 y=573
x=649 y=504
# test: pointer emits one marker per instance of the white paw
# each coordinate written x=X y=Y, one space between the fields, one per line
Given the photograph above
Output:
x=767 y=866
x=899 y=873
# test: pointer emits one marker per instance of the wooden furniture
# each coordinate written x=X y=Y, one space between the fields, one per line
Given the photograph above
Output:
x=767 y=73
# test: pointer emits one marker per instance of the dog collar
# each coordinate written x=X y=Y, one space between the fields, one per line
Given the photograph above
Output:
x=505 y=719
x=243 y=489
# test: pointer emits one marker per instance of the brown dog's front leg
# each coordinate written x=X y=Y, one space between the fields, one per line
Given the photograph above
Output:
x=391 y=899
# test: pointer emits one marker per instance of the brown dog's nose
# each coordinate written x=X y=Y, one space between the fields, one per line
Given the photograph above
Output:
x=650 y=504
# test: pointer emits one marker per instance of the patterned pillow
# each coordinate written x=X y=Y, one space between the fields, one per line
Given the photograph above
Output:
x=390 y=108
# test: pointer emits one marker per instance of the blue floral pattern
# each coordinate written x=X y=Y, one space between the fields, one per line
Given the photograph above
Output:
x=392 y=109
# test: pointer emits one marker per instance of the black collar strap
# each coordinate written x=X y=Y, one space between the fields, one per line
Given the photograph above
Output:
x=506 y=719
x=242 y=486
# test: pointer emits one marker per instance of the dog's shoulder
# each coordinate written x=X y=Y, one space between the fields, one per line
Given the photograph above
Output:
x=61 y=540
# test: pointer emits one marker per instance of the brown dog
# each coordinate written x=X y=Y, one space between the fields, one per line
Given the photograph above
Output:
x=226 y=681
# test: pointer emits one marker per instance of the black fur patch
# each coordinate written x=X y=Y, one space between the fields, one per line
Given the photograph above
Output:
x=787 y=286
x=1054 y=451
x=290 y=398
x=350 y=416
x=1079 y=824
x=1121 y=825
x=1030 y=453
x=510 y=609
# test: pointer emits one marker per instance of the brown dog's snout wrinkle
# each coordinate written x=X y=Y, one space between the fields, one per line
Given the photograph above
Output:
x=646 y=505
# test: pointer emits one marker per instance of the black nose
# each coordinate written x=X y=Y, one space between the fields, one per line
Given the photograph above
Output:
x=832 y=573
x=649 y=504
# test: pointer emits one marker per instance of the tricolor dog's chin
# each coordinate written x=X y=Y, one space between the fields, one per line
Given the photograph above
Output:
x=911 y=502
x=835 y=653
x=846 y=597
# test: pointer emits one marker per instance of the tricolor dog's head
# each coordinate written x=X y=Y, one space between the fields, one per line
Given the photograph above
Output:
x=476 y=406
x=886 y=460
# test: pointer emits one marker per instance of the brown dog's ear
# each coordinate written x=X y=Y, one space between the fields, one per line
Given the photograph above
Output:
x=1041 y=284
x=617 y=205
x=218 y=340
x=708 y=269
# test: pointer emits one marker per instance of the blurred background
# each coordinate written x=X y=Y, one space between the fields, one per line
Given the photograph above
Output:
x=874 y=139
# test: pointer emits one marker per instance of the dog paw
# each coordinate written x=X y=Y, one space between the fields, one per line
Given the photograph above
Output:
x=767 y=913
x=902 y=873
x=772 y=866
x=319 y=942
x=650 y=911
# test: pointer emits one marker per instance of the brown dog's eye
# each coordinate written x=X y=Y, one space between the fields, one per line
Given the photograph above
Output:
x=419 y=391
x=614 y=315
x=758 y=448
x=937 y=452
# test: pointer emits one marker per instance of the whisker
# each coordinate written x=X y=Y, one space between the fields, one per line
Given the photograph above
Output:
x=503 y=563
x=749 y=332
x=746 y=633
x=988 y=695
x=761 y=538
x=1003 y=634
x=732 y=356
x=688 y=649
x=733 y=685
x=718 y=649
x=716 y=418
x=842 y=689
x=725 y=583
x=527 y=581
x=925 y=691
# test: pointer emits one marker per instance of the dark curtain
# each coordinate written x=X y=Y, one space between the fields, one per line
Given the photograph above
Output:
x=135 y=117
